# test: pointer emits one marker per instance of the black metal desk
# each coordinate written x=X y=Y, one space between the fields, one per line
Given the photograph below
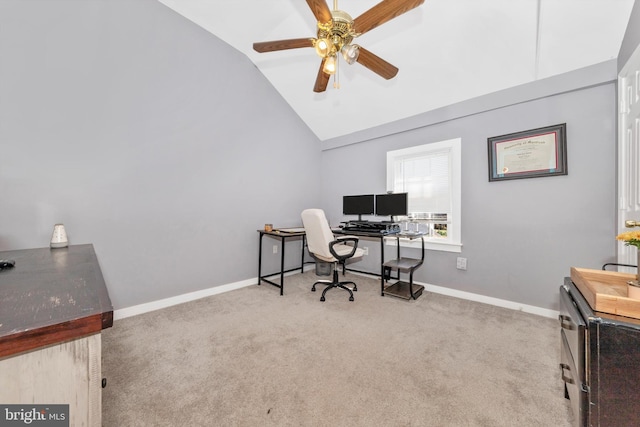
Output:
x=282 y=236
x=371 y=235
x=406 y=265
x=402 y=289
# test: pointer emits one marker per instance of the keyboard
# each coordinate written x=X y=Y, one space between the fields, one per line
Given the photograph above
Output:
x=373 y=227
x=369 y=230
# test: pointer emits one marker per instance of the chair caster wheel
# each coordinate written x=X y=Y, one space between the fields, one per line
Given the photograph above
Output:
x=313 y=289
x=355 y=289
x=350 y=298
x=321 y=298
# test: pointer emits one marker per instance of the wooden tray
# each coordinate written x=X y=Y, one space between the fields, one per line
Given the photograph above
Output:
x=606 y=291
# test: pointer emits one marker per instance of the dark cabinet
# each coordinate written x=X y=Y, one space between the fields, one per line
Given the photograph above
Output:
x=600 y=362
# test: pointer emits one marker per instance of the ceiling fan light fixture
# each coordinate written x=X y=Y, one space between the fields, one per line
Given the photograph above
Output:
x=336 y=30
x=323 y=47
x=350 y=53
x=330 y=65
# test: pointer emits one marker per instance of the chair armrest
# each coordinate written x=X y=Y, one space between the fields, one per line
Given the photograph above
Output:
x=343 y=240
x=344 y=237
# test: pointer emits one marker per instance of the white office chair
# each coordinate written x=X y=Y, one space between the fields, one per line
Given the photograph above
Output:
x=326 y=247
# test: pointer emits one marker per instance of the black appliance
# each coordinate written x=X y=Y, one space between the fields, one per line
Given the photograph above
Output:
x=600 y=362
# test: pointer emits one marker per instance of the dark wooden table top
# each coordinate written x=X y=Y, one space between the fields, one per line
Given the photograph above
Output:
x=51 y=296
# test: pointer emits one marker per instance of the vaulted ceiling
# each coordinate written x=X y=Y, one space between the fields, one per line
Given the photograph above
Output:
x=447 y=51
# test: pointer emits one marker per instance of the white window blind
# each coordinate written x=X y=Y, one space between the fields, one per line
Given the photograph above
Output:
x=431 y=175
x=427 y=179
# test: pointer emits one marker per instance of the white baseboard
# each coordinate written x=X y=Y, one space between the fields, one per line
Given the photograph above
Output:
x=483 y=299
x=544 y=312
x=191 y=296
x=179 y=299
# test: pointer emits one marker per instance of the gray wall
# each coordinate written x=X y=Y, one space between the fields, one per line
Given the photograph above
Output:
x=163 y=147
x=148 y=137
x=520 y=237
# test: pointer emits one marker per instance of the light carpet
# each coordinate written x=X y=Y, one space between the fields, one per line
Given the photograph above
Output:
x=251 y=357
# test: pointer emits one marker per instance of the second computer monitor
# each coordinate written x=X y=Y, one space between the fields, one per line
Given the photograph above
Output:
x=391 y=204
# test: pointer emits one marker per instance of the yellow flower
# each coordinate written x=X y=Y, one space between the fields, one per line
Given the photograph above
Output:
x=629 y=236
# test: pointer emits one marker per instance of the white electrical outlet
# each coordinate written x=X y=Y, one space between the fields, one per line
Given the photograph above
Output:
x=275 y=249
x=366 y=250
x=461 y=263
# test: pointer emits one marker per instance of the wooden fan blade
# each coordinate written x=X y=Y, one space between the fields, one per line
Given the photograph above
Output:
x=322 y=80
x=320 y=10
x=282 y=45
x=384 y=11
x=376 y=64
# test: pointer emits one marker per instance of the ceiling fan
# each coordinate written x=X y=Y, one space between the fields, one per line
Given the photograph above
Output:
x=336 y=31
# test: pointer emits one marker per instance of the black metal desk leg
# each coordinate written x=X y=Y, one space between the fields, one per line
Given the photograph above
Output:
x=260 y=259
x=411 y=284
x=304 y=241
x=382 y=266
x=282 y=266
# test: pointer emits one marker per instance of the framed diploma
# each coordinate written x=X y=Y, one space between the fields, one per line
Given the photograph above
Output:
x=529 y=154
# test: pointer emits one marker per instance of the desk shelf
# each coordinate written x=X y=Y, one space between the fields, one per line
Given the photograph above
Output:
x=405 y=265
x=402 y=289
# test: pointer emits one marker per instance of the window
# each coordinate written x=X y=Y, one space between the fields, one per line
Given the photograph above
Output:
x=431 y=174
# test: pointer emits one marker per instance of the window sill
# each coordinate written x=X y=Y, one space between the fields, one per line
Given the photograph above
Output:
x=429 y=244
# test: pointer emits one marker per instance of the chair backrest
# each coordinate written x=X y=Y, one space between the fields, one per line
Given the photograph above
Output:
x=318 y=233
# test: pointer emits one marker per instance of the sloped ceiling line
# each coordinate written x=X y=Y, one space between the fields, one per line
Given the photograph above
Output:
x=536 y=73
x=452 y=50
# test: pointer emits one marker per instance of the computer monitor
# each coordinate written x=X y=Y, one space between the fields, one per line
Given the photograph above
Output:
x=391 y=204
x=358 y=205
